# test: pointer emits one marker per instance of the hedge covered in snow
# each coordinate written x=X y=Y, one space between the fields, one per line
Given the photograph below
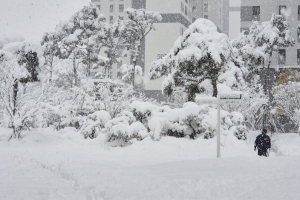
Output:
x=145 y=119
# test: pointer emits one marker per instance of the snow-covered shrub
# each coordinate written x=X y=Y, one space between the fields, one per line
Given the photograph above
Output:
x=94 y=123
x=142 y=111
x=124 y=128
x=193 y=121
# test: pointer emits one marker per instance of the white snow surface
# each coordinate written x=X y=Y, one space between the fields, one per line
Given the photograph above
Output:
x=62 y=165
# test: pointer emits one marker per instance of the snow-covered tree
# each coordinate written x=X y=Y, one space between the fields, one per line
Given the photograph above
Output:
x=256 y=47
x=137 y=26
x=51 y=50
x=111 y=38
x=201 y=53
x=285 y=109
x=19 y=67
x=77 y=38
x=126 y=72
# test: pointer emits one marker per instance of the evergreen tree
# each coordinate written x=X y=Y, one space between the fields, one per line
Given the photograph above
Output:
x=200 y=54
x=137 y=26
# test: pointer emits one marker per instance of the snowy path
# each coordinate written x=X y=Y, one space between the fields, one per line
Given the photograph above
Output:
x=170 y=169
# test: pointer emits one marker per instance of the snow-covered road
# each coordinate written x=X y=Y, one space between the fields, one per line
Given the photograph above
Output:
x=169 y=169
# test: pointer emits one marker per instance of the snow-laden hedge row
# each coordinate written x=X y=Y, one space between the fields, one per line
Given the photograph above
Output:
x=144 y=119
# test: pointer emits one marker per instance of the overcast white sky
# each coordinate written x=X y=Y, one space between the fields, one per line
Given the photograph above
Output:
x=31 y=18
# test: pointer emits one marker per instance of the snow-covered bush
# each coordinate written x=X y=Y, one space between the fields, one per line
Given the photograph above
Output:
x=142 y=111
x=190 y=121
x=124 y=128
x=94 y=123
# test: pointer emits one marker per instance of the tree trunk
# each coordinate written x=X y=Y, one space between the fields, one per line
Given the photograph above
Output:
x=135 y=61
x=89 y=64
x=15 y=96
x=215 y=89
x=75 y=70
x=51 y=68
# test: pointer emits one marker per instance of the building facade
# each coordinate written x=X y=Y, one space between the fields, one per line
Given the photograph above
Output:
x=176 y=17
x=257 y=10
x=221 y=12
x=234 y=16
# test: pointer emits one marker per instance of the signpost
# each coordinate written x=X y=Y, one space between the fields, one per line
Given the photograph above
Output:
x=223 y=98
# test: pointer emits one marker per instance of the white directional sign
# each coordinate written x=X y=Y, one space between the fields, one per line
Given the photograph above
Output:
x=223 y=98
x=206 y=100
x=231 y=98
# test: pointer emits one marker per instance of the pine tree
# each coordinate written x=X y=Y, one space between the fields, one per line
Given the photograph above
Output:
x=200 y=54
x=137 y=26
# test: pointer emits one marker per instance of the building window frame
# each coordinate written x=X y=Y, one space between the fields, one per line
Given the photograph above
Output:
x=298 y=56
x=256 y=10
x=281 y=56
x=281 y=7
x=121 y=8
x=205 y=7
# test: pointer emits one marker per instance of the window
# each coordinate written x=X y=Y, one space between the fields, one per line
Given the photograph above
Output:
x=111 y=8
x=298 y=34
x=121 y=8
x=256 y=10
x=99 y=7
x=185 y=10
x=281 y=56
x=194 y=19
x=205 y=7
x=281 y=8
x=298 y=13
x=205 y=16
x=182 y=7
x=298 y=56
x=121 y=17
x=186 y=1
x=111 y=19
x=194 y=8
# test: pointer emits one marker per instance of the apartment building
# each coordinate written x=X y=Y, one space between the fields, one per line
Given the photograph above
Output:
x=112 y=9
x=176 y=17
x=258 y=10
x=234 y=16
x=221 y=12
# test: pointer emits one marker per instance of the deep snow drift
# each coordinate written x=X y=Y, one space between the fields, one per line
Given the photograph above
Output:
x=62 y=165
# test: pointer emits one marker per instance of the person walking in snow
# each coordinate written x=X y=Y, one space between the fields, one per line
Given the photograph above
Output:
x=262 y=143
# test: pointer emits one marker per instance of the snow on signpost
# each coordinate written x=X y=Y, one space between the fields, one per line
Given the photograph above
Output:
x=230 y=97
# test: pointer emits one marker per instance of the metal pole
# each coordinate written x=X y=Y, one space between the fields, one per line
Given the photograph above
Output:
x=218 y=130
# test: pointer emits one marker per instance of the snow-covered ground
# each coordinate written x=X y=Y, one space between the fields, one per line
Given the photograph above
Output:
x=62 y=165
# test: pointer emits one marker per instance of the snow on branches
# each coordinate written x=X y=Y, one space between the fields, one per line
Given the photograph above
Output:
x=201 y=53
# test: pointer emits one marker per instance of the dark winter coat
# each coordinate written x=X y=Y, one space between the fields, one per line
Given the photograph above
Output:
x=262 y=142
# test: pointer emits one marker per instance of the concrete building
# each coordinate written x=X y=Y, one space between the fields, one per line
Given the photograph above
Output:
x=112 y=9
x=257 y=10
x=224 y=13
x=176 y=17
x=234 y=16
